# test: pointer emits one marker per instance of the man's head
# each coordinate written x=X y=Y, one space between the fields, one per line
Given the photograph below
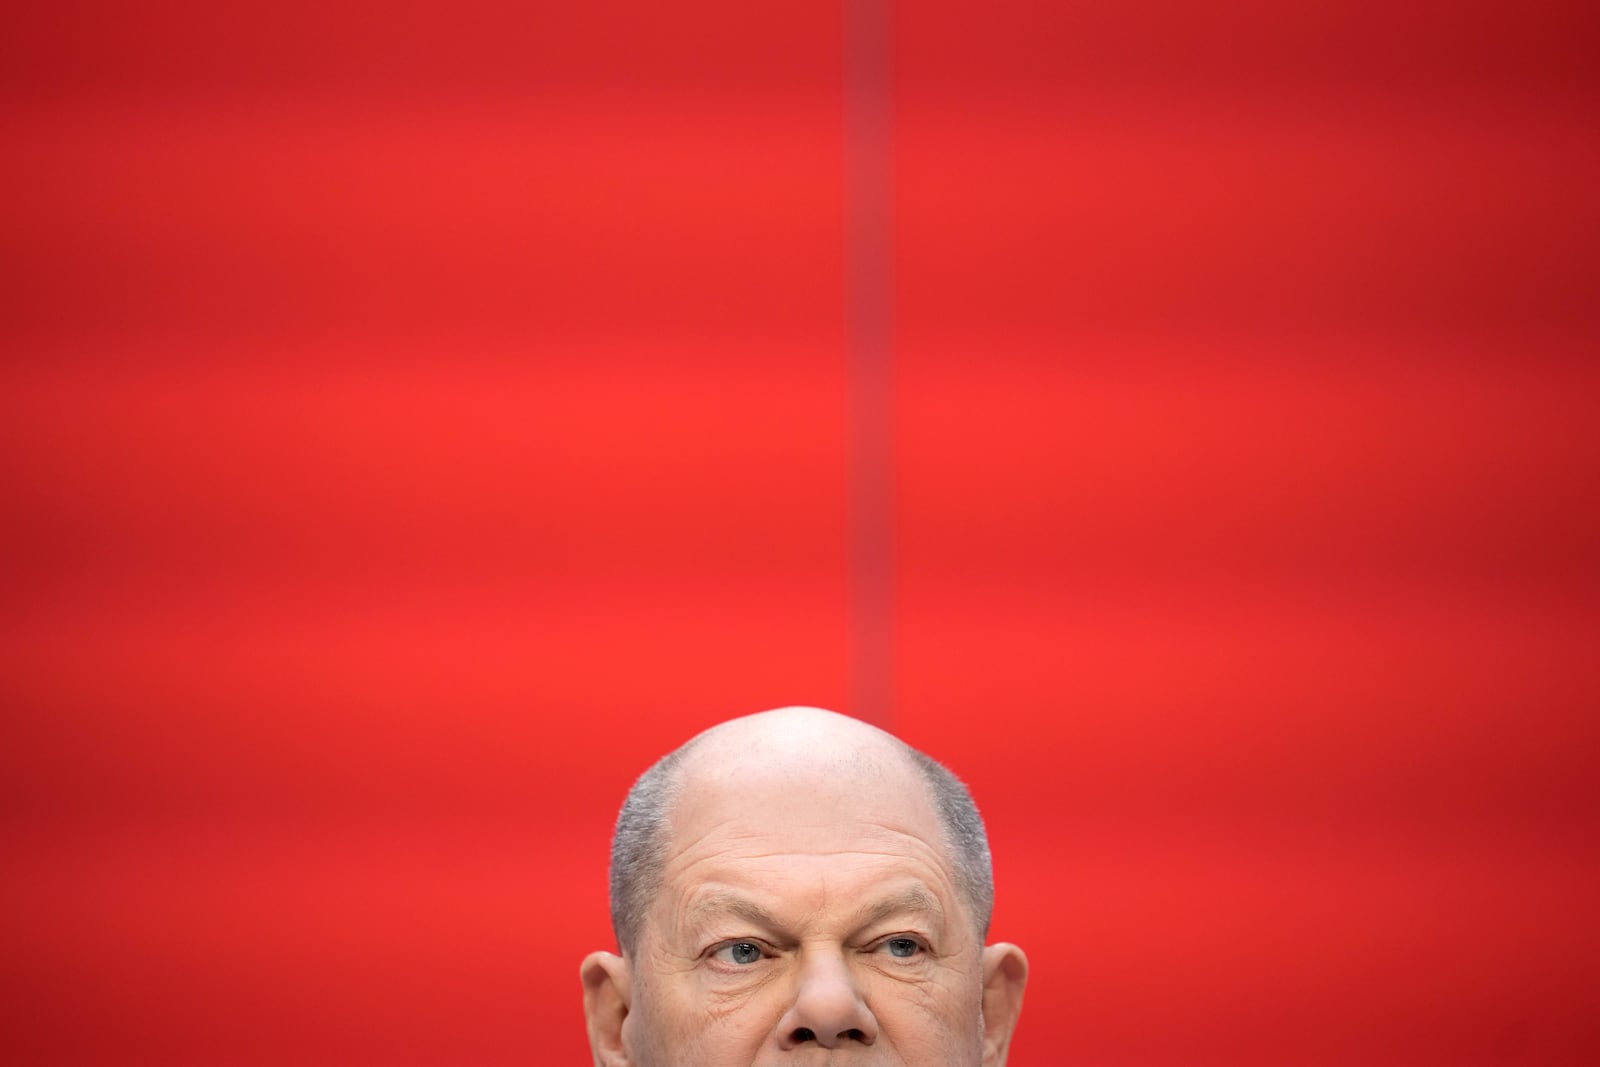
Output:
x=798 y=886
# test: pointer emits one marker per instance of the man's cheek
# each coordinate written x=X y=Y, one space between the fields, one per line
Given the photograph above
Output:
x=711 y=1019
x=727 y=1001
x=932 y=1015
x=710 y=1028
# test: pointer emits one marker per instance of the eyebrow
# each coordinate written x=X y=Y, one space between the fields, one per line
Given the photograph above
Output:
x=724 y=903
x=913 y=899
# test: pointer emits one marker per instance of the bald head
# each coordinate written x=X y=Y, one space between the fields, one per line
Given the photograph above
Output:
x=788 y=757
x=794 y=742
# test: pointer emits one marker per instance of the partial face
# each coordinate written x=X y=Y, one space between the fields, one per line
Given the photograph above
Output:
x=807 y=914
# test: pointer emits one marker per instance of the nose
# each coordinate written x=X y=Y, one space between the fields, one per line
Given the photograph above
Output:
x=828 y=1008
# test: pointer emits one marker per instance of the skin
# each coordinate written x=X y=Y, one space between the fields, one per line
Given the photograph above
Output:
x=808 y=914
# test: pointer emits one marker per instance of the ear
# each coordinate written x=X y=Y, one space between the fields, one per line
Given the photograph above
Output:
x=1005 y=973
x=605 y=1005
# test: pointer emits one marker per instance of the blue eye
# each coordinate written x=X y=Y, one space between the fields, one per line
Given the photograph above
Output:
x=902 y=947
x=742 y=953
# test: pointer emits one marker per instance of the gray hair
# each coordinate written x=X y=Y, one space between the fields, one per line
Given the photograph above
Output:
x=639 y=845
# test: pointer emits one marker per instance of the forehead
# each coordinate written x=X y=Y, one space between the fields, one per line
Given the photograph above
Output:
x=802 y=822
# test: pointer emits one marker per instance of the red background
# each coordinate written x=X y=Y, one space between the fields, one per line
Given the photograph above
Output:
x=417 y=417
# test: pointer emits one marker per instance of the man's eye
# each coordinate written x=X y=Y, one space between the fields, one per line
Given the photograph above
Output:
x=902 y=947
x=742 y=953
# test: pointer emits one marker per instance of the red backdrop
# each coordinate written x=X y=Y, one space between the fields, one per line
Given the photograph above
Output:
x=417 y=417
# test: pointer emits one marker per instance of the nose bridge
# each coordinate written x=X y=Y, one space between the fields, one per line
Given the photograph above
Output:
x=828 y=1006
